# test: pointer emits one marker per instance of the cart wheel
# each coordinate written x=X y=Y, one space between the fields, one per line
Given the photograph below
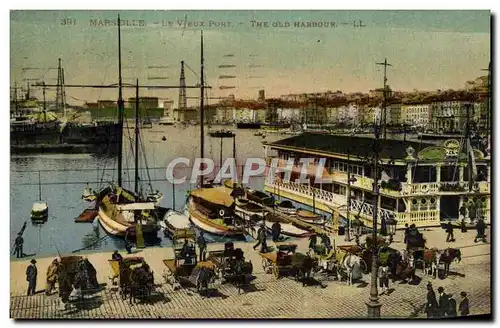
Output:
x=276 y=271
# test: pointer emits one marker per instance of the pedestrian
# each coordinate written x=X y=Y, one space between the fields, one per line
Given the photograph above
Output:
x=452 y=307
x=442 y=303
x=31 y=274
x=202 y=244
x=18 y=246
x=312 y=242
x=383 y=274
x=276 y=231
x=463 y=307
x=449 y=231
x=128 y=244
x=431 y=307
x=325 y=240
x=463 y=226
x=407 y=230
x=52 y=273
x=116 y=256
x=480 y=228
x=261 y=239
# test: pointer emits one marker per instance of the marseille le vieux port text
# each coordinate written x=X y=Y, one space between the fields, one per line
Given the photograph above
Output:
x=225 y=181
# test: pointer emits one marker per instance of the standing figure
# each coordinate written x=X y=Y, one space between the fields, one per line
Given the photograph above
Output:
x=202 y=244
x=18 y=246
x=52 y=274
x=128 y=244
x=407 y=231
x=383 y=274
x=116 y=256
x=276 y=231
x=443 y=305
x=325 y=240
x=432 y=306
x=312 y=242
x=31 y=274
x=463 y=227
x=463 y=307
x=261 y=239
x=449 y=231
x=480 y=228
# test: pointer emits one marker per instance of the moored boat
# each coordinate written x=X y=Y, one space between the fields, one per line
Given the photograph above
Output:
x=287 y=228
x=287 y=207
x=212 y=210
x=174 y=221
x=259 y=197
x=310 y=217
x=40 y=212
x=249 y=211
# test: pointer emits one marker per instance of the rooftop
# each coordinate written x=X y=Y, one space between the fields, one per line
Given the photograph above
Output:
x=360 y=146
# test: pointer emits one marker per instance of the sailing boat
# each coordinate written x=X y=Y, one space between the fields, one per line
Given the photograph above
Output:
x=121 y=211
x=40 y=209
x=212 y=208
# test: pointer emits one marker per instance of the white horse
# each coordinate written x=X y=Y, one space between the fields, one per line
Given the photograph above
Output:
x=351 y=265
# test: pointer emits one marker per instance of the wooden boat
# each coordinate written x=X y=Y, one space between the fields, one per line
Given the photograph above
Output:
x=118 y=209
x=310 y=217
x=40 y=212
x=87 y=216
x=88 y=195
x=154 y=197
x=212 y=210
x=259 y=197
x=249 y=211
x=287 y=228
x=287 y=207
x=241 y=202
x=221 y=134
x=174 y=221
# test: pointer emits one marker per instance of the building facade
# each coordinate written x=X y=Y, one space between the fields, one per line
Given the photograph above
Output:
x=450 y=116
x=424 y=192
x=417 y=114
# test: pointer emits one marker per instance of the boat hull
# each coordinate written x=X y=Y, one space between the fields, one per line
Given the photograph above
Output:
x=205 y=224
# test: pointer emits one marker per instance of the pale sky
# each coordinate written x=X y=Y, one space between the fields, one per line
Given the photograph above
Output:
x=428 y=50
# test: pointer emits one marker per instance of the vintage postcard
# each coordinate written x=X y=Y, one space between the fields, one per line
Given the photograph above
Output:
x=250 y=164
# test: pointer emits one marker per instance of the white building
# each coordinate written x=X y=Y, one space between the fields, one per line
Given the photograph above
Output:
x=416 y=114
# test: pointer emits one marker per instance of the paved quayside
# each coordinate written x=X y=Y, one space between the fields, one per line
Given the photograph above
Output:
x=266 y=297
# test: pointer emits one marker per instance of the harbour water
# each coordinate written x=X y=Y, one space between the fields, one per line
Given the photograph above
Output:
x=64 y=177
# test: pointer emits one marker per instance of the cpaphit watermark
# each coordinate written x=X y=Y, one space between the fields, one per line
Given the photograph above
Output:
x=302 y=169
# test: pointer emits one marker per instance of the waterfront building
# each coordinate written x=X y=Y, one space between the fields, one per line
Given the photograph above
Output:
x=449 y=116
x=224 y=114
x=417 y=114
x=423 y=182
x=168 y=108
x=394 y=114
x=145 y=102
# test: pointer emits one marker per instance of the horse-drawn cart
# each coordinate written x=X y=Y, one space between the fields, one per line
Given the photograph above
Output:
x=364 y=254
x=133 y=276
x=184 y=270
x=231 y=264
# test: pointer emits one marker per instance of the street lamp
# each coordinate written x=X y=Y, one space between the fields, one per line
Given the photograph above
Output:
x=357 y=224
x=390 y=225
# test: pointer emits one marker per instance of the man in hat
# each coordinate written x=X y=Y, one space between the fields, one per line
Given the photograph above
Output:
x=31 y=273
x=116 y=256
x=449 y=231
x=480 y=228
x=276 y=231
x=202 y=244
x=442 y=303
x=463 y=307
x=52 y=273
x=261 y=239
x=18 y=246
x=432 y=306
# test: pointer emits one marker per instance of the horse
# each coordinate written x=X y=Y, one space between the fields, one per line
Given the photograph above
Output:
x=448 y=256
x=406 y=268
x=351 y=265
x=431 y=260
x=205 y=277
x=141 y=283
x=303 y=266
x=71 y=285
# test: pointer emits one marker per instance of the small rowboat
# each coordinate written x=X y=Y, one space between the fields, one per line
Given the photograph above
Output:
x=174 y=221
x=310 y=217
x=287 y=207
x=40 y=212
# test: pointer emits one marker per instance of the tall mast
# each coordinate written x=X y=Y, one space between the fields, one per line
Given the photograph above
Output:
x=120 y=107
x=15 y=98
x=136 y=180
x=202 y=94
x=383 y=117
x=44 y=104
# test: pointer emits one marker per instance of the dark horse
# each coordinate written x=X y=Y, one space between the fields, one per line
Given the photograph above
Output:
x=141 y=283
x=448 y=256
x=303 y=265
x=68 y=280
x=204 y=277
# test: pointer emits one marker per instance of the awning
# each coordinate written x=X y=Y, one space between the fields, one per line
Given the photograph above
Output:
x=136 y=206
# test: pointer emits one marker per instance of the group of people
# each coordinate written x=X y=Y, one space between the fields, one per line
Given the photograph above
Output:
x=32 y=274
x=444 y=305
x=480 y=228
